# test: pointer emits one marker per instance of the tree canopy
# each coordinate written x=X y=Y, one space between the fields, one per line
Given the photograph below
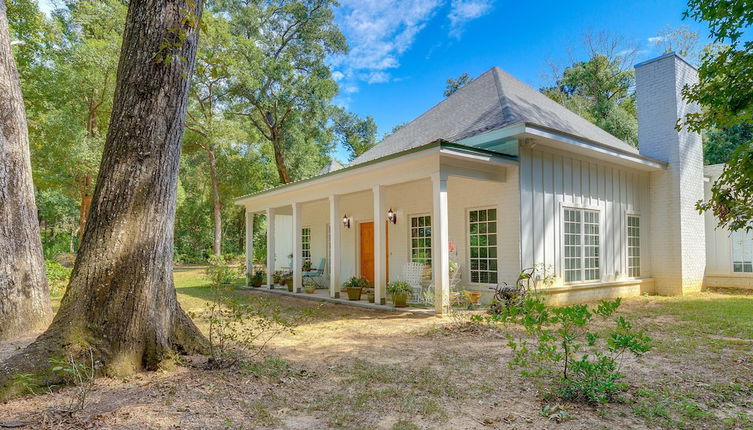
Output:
x=725 y=91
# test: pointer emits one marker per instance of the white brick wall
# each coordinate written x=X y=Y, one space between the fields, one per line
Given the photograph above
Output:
x=678 y=238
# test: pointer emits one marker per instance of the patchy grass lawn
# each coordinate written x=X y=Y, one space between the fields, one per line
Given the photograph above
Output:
x=357 y=368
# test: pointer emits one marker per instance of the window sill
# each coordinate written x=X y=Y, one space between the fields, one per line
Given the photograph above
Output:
x=597 y=284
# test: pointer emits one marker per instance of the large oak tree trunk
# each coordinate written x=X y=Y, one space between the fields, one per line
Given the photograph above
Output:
x=282 y=169
x=24 y=296
x=216 y=203
x=121 y=301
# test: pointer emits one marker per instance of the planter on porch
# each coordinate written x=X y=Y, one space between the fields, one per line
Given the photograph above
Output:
x=400 y=300
x=399 y=291
x=309 y=289
x=354 y=286
x=354 y=293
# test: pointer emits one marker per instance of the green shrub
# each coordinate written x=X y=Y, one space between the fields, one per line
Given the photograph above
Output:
x=219 y=273
x=399 y=287
x=57 y=275
x=560 y=344
x=356 y=282
x=240 y=330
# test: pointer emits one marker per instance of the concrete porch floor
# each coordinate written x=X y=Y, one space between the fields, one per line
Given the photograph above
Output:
x=322 y=295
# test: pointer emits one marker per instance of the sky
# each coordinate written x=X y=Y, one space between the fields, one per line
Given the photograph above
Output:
x=403 y=51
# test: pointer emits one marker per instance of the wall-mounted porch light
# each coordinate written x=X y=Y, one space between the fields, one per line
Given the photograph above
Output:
x=392 y=216
x=346 y=221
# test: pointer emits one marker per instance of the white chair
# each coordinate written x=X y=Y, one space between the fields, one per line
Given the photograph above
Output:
x=413 y=274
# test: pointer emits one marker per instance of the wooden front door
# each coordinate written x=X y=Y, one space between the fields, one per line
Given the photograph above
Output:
x=367 y=250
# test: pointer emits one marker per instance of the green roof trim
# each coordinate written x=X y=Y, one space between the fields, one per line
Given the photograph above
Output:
x=439 y=143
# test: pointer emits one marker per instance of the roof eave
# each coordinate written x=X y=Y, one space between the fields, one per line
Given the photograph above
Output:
x=582 y=142
x=437 y=144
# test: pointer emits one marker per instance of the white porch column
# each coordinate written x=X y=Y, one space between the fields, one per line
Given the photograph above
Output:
x=270 y=246
x=334 y=248
x=297 y=257
x=440 y=252
x=249 y=246
x=380 y=247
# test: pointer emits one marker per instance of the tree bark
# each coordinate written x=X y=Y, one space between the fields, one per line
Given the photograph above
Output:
x=282 y=169
x=216 y=203
x=86 y=204
x=24 y=294
x=121 y=301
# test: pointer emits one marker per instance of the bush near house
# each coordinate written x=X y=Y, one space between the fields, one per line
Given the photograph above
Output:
x=562 y=346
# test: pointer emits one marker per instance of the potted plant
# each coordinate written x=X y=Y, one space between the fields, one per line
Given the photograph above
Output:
x=310 y=288
x=286 y=279
x=472 y=297
x=307 y=265
x=256 y=279
x=370 y=294
x=399 y=291
x=277 y=278
x=354 y=286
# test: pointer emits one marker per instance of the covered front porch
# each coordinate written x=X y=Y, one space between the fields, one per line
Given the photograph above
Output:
x=451 y=212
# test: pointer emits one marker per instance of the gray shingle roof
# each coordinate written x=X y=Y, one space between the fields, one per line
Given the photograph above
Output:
x=330 y=167
x=492 y=101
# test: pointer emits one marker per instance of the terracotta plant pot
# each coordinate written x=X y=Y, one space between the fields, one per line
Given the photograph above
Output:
x=400 y=300
x=474 y=297
x=354 y=293
x=310 y=289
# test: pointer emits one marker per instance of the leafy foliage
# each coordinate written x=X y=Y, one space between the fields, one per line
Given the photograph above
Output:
x=599 y=89
x=78 y=372
x=454 y=84
x=283 y=84
x=238 y=329
x=355 y=134
x=584 y=363
x=356 y=282
x=725 y=92
x=719 y=144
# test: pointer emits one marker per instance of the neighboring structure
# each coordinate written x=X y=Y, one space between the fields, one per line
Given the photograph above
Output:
x=729 y=255
x=498 y=177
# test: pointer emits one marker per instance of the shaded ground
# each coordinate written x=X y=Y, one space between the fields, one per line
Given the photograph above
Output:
x=357 y=368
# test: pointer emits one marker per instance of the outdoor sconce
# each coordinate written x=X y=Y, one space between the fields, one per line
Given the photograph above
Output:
x=346 y=221
x=392 y=216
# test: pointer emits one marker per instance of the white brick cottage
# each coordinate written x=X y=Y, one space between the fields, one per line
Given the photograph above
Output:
x=497 y=178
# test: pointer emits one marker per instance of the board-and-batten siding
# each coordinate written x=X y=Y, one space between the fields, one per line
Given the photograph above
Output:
x=551 y=180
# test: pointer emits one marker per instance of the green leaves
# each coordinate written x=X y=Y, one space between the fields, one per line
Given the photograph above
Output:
x=564 y=345
x=725 y=91
x=599 y=89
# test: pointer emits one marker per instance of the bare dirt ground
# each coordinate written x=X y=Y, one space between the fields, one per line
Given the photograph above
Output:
x=357 y=368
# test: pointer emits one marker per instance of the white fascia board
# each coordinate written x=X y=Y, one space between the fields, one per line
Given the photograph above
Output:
x=640 y=161
x=476 y=156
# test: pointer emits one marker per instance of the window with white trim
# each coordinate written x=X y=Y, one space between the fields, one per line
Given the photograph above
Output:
x=420 y=239
x=581 y=245
x=482 y=231
x=634 y=245
x=742 y=251
x=306 y=244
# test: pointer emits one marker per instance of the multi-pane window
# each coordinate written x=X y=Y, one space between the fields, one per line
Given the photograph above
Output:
x=582 y=245
x=742 y=251
x=420 y=239
x=482 y=229
x=306 y=244
x=634 y=245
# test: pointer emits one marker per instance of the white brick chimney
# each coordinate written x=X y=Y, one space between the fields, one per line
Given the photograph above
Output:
x=677 y=239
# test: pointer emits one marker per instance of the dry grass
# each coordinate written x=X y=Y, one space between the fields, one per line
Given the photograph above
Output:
x=355 y=368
